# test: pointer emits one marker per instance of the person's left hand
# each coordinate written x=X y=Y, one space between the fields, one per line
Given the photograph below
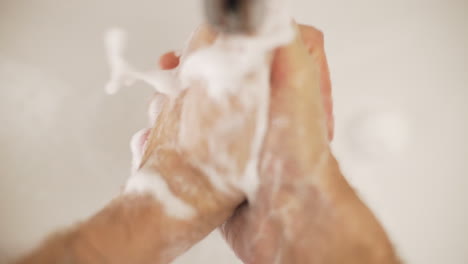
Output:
x=199 y=145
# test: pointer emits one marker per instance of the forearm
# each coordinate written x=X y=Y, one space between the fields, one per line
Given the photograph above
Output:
x=332 y=225
x=358 y=235
x=140 y=225
x=130 y=230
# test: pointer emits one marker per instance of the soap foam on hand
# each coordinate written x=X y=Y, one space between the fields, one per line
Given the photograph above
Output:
x=235 y=66
x=238 y=66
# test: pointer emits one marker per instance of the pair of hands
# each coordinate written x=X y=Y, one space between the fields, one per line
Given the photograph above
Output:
x=295 y=149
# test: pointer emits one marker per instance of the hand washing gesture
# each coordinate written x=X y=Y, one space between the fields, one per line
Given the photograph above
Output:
x=242 y=145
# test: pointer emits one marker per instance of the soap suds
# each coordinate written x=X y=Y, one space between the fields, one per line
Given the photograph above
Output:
x=240 y=65
x=144 y=182
x=235 y=65
x=224 y=66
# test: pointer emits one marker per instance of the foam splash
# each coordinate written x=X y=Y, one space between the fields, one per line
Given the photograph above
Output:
x=123 y=74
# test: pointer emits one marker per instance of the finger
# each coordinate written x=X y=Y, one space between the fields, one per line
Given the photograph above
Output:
x=296 y=102
x=169 y=61
x=314 y=41
x=296 y=88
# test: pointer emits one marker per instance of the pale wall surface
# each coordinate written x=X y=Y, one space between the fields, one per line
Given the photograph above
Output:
x=64 y=144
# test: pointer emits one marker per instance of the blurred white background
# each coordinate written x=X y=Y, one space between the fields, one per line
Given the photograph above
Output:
x=400 y=76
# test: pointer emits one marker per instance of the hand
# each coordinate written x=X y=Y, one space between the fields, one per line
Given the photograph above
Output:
x=296 y=151
x=304 y=210
x=301 y=122
x=183 y=184
x=204 y=116
x=200 y=146
x=194 y=166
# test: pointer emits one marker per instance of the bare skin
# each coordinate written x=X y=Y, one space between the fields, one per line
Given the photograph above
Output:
x=304 y=211
x=136 y=228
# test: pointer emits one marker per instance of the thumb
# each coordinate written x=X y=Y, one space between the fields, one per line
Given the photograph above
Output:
x=296 y=95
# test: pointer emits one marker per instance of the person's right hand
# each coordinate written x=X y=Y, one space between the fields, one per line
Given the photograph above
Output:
x=295 y=151
x=304 y=210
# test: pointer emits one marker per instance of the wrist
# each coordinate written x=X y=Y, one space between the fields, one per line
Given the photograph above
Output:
x=177 y=184
x=322 y=210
